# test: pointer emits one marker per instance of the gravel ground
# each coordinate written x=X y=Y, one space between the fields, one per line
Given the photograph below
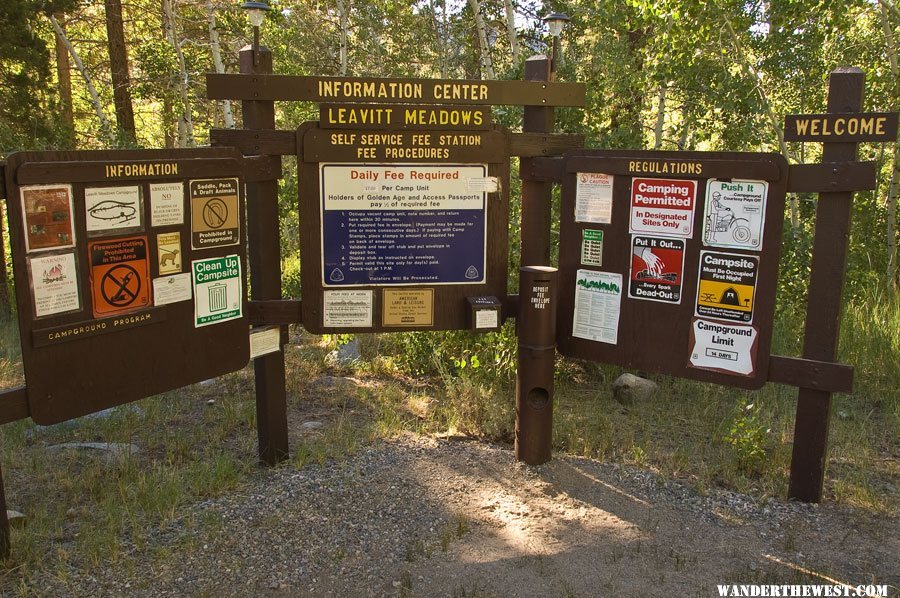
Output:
x=419 y=516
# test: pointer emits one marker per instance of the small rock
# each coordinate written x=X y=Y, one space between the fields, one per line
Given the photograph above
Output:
x=113 y=449
x=346 y=354
x=15 y=517
x=211 y=402
x=312 y=425
x=629 y=388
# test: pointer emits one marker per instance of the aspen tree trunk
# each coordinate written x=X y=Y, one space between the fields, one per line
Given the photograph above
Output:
x=660 y=117
x=64 y=75
x=168 y=119
x=439 y=36
x=345 y=26
x=511 y=29
x=891 y=199
x=216 y=52
x=186 y=120
x=770 y=113
x=486 y=64
x=4 y=281
x=118 y=65
x=105 y=127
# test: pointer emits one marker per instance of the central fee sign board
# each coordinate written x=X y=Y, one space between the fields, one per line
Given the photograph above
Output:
x=669 y=261
x=402 y=221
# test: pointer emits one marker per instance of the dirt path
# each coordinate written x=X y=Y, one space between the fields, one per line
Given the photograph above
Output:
x=425 y=517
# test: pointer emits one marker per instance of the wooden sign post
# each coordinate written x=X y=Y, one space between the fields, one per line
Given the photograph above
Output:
x=265 y=269
x=839 y=131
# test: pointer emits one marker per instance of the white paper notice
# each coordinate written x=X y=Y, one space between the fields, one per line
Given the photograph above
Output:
x=166 y=204
x=735 y=213
x=172 y=289
x=593 y=197
x=54 y=282
x=486 y=318
x=598 y=300
x=348 y=309
x=263 y=342
x=725 y=347
x=112 y=209
x=487 y=184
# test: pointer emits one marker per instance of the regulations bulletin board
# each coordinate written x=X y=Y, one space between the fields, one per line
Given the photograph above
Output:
x=130 y=273
x=669 y=261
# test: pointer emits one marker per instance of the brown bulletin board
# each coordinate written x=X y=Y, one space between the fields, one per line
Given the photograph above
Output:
x=392 y=305
x=96 y=330
x=674 y=316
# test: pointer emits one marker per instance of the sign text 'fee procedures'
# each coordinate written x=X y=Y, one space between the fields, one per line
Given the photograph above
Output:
x=403 y=224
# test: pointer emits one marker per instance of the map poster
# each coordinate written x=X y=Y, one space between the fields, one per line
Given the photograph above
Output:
x=47 y=213
x=403 y=224
x=598 y=301
x=657 y=267
x=112 y=210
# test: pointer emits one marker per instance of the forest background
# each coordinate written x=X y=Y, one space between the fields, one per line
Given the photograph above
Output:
x=660 y=74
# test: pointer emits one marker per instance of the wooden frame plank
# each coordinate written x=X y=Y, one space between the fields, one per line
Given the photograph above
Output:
x=256 y=142
x=547 y=170
x=263 y=87
x=14 y=405
x=284 y=143
x=831 y=177
x=809 y=373
x=535 y=145
x=273 y=311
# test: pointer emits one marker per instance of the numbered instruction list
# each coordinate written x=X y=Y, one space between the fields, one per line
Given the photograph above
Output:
x=403 y=224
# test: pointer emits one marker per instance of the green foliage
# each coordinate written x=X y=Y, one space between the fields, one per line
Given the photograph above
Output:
x=747 y=436
x=456 y=353
x=26 y=120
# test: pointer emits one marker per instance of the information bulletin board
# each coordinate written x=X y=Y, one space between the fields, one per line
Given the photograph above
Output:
x=130 y=273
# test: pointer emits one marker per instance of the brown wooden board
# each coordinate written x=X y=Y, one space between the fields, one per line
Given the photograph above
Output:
x=654 y=332
x=410 y=116
x=402 y=145
x=76 y=363
x=839 y=128
x=393 y=91
x=396 y=306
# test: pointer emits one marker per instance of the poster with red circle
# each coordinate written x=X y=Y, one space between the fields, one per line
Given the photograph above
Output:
x=657 y=265
x=120 y=275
